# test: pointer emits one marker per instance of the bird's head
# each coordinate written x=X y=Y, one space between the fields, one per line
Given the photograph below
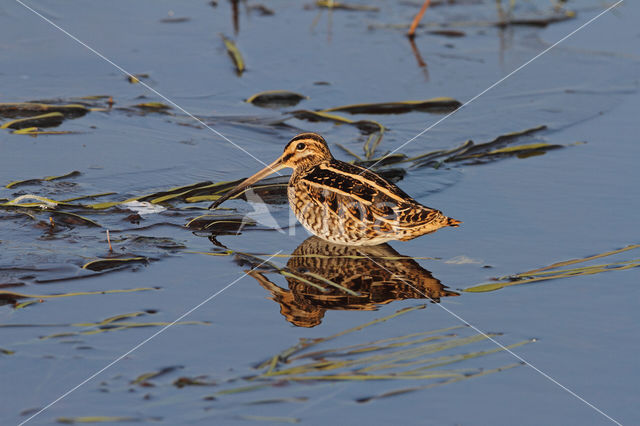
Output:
x=303 y=151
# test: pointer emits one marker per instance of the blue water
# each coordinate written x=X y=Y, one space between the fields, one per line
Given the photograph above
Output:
x=518 y=214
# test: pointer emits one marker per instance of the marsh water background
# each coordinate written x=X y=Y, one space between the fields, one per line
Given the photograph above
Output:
x=519 y=213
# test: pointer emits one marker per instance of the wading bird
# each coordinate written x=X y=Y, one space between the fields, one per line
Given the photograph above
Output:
x=343 y=203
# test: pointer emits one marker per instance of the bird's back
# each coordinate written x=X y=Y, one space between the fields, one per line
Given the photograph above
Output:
x=344 y=203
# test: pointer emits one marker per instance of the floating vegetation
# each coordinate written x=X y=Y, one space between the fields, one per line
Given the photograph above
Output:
x=421 y=356
x=261 y=9
x=69 y=218
x=36 y=116
x=448 y=33
x=471 y=153
x=35 y=131
x=220 y=225
x=135 y=78
x=189 y=381
x=51 y=119
x=153 y=106
x=330 y=4
x=30 y=109
x=17 y=183
x=439 y=105
x=276 y=99
x=116 y=323
x=540 y=20
x=425 y=359
x=103 y=264
x=270 y=419
x=559 y=270
x=536 y=21
x=234 y=54
x=144 y=378
x=171 y=19
x=41 y=202
x=366 y=126
x=12 y=295
x=98 y=419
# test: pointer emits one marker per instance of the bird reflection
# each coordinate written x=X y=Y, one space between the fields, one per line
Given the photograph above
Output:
x=378 y=274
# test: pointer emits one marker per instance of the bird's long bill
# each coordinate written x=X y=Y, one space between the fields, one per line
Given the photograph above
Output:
x=271 y=168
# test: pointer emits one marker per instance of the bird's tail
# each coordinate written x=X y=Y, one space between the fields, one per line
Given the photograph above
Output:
x=453 y=222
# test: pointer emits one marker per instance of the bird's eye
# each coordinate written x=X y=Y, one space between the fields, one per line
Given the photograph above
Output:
x=301 y=146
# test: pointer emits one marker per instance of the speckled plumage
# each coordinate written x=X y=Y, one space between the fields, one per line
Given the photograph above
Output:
x=347 y=204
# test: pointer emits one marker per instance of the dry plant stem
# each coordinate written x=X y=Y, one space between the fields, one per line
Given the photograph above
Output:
x=109 y=241
x=412 y=30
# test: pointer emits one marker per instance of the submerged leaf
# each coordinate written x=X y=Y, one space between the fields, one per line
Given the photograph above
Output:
x=276 y=98
x=430 y=105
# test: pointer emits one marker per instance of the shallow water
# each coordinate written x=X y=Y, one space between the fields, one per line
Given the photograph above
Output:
x=519 y=214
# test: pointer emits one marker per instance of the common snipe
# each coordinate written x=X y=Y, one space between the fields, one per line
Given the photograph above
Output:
x=343 y=203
